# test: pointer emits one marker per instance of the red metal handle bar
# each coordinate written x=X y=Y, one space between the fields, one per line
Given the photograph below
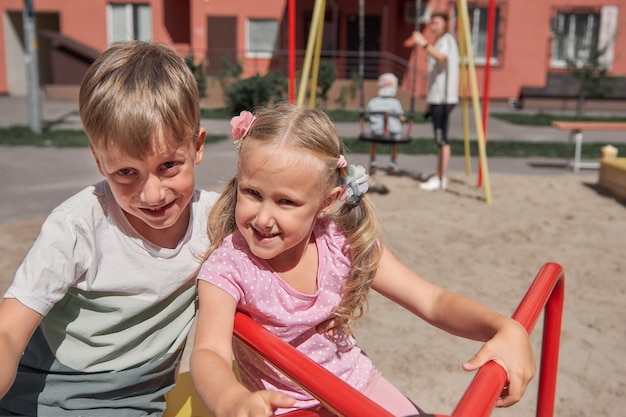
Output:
x=332 y=392
x=479 y=399
x=547 y=291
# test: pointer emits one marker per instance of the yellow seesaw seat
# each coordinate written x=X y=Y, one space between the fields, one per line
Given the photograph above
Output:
x=183 y=401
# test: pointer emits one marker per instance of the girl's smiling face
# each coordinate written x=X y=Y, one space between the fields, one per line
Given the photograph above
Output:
x=278 y=201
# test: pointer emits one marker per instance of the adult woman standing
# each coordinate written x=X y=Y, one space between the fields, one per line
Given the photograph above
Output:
x=443 y=89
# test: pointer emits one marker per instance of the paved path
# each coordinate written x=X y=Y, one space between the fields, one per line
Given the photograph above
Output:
x=64 y=115
x=35 y=180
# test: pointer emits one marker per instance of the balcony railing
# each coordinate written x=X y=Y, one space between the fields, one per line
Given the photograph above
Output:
x=346 y=62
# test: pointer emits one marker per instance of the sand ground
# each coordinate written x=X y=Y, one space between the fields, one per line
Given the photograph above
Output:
x=490 y=253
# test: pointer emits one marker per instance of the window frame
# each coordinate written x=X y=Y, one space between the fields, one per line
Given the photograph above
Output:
x=475 y=33
x=570 y=39
x=260 y=53
x=133 y=26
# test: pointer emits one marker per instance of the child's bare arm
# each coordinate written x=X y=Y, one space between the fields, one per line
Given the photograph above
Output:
x=506 y=340
x=17 y=324
x=211 y=361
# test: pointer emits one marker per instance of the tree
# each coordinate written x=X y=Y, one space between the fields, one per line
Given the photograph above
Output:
x=592 y=75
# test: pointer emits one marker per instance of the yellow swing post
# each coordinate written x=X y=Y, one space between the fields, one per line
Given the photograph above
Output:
x=316 y=57
x=313 y=47
x=480 y=133
x=464 y=103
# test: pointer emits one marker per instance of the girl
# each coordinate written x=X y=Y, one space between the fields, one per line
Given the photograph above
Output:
x=296 y=245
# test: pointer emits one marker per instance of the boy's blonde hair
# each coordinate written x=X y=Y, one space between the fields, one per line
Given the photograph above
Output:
x=135 y=90
x=285 y=127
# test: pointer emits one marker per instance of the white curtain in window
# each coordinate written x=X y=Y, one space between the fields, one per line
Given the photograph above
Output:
x=128 y=21
x=606 y=37
x=117 y=23
x=479 y=20
x=143 y=19
x=261 y=37
x=575 y=36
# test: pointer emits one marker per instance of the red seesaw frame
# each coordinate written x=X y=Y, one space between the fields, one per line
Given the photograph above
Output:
x=546 y=292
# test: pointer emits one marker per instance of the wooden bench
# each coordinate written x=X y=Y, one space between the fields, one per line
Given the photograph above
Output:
x=576 y=134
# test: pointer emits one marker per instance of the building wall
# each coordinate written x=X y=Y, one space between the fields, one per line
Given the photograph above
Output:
x=524 y=48
x=239 y=9
x=84 y=21
x=527 y=44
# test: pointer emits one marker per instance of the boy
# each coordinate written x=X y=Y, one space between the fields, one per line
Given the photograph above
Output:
x=386 y=102
x=95 y=319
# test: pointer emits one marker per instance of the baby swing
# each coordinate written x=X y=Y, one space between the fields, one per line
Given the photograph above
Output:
x=384 y=137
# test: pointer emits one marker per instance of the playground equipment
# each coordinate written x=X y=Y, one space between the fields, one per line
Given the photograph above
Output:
x=546 y=291
x=612 y=176
x=385 y=137
x=468 y=77
x=545 y=294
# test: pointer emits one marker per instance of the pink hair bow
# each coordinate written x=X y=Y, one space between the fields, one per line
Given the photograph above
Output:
x=241 y=124
x=341 y=162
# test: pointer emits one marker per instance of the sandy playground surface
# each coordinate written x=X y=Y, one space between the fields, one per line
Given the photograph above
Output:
x=490 y=253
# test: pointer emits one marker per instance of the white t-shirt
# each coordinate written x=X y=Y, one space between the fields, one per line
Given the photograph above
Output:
x=116 y=309
x=443 y=77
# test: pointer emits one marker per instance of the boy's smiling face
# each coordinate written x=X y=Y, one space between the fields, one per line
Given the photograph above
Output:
x=154 y=192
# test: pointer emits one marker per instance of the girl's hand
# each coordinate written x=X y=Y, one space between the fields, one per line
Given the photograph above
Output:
x=260 y=404
x=510 y=348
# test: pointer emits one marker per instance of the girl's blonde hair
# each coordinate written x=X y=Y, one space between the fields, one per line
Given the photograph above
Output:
x=311 y=132
x=137 y=89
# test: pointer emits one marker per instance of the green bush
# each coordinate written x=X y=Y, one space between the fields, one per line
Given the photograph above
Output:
x=229 y=74
x=250 y=93
x=199 y=74
x=326 y=78
x=348 y=91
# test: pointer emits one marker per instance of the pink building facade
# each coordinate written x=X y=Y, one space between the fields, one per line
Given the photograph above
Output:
x=532 y=38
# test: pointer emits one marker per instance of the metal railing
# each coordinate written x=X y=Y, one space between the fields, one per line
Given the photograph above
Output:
x=545 y=294
x=346 y=62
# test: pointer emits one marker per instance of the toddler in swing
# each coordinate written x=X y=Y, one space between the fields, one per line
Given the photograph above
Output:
x=296 y=245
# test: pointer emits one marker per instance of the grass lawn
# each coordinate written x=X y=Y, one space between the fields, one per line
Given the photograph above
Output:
x=504 y=148
x=22 y=136
x=518 y=118
x=66 y=138
x=545 y=119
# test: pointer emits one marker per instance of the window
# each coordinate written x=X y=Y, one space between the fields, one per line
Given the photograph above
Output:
x=478 y=17
x=129 y=22
x=261 y=38
x=575 y=38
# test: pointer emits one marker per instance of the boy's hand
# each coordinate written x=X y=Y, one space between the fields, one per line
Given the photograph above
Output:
x=511 y=349
x=260 y=404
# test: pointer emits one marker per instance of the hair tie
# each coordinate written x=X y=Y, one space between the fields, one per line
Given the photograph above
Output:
x=241 y=124
x=354 y=185
x=341 y=162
